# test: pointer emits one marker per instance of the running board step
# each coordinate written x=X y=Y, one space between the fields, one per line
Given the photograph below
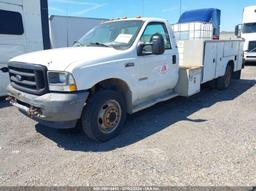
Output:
x=152 y=101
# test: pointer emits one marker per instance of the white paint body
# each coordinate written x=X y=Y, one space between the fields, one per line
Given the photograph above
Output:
x=146 y=81
x=249 y=16
x=90 y=65
x=211 y=55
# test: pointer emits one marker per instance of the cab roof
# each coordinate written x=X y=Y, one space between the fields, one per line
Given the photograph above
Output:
x=144 y=19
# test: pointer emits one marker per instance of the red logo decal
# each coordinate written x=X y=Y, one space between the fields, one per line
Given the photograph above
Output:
x=164 y=69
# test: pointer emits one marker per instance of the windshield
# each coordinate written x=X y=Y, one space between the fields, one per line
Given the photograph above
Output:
x=249 y=28
x=119 y=35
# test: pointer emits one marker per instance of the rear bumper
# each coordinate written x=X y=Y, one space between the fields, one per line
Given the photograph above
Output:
x=57 y=110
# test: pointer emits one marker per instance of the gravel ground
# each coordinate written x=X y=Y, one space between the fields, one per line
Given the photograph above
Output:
x=206 y=140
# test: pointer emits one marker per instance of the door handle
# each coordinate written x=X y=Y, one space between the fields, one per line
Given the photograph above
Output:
x=127 y=65
x=174 y=59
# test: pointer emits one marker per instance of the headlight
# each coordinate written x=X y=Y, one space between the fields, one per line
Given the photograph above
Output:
x=61 y=81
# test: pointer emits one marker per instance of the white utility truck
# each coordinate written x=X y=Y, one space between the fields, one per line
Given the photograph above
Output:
x=119 y=67
x=248 y=32
x=24 y=27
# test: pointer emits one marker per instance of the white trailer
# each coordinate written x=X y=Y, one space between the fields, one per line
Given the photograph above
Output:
x=65 y=30
x=248 y=32
x=22 y=30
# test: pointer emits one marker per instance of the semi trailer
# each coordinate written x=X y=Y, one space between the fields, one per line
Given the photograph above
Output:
x=26 y=27
x=247 y=30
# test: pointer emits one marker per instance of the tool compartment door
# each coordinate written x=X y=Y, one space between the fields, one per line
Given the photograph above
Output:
x=210 y=61
x=220 y=67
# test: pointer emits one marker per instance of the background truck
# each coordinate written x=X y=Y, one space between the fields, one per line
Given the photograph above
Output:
x=119 y=67
x=248 y=32
x=25 y=28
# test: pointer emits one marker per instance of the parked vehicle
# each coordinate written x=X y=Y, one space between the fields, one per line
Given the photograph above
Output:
x=19 y=33
x=119 y=67
x=25 y=28
x=248 y=32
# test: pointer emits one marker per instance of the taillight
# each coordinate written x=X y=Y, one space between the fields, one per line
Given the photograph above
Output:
x=215 y=37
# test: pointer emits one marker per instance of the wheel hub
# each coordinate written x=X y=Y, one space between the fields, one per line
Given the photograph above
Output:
x=109 y=116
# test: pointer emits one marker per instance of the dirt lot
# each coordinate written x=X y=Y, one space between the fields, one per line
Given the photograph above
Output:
x=208 y=139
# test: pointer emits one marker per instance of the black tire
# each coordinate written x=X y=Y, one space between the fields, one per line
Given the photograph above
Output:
x=224 y=82
x=104 y=115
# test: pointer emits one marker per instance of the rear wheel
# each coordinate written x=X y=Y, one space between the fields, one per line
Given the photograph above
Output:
x=225 y=81
x=104 y=115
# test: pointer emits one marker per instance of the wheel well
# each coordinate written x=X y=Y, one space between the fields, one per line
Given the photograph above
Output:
x=117 y=85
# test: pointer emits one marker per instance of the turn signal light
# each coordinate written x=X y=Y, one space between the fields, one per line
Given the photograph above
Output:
x=72 y=88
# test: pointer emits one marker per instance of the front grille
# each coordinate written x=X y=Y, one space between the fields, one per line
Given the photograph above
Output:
x=28 y=78
x=252 y=46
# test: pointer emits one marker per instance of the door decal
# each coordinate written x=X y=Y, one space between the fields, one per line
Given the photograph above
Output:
x=164 y=69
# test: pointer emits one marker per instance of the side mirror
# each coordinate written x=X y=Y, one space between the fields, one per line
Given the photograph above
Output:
x=158 y=45
x=4 y=70
x=140 y=49
x=238 y=29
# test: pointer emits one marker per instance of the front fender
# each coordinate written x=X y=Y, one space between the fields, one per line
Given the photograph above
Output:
x=88 y=76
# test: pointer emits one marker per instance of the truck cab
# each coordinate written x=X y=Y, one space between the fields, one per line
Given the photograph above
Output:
x=248 y=32
x=121 y=66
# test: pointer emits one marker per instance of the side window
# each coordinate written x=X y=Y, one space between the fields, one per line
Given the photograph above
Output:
x=153 y=29
x=11 y=23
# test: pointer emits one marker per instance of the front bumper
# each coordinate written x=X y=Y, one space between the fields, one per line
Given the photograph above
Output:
x=250 y=56
x=57 y=110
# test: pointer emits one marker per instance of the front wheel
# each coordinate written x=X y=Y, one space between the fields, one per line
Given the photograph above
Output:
x=104 y=115
x=225 y=81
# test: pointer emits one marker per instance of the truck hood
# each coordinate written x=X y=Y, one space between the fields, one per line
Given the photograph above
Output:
x=60 y=59
x=249 y=36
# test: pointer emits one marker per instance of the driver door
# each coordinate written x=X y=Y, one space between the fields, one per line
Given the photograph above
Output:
x=157 y=72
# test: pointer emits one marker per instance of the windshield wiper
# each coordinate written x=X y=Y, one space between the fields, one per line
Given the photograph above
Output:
x=253 y=50
x=79 y=44
x=99 y=44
